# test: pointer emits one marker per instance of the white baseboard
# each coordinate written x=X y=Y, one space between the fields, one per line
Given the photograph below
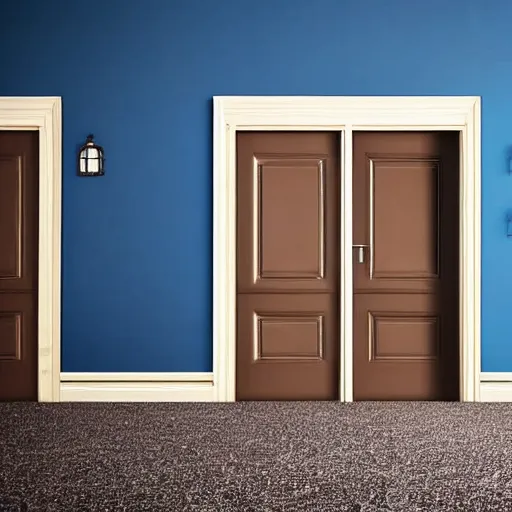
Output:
x=136 y=387
x=136 y=392
x=496 y=392
x=198 y=387
x=496 y=386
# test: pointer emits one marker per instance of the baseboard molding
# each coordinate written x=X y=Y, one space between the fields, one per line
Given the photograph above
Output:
x=496 y=392
x=198 y=387
x=136 y=392
x=198 y=392
x=496 y=386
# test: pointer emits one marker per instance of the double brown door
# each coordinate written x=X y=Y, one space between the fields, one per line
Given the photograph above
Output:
x=19 y=191
x=405 y=274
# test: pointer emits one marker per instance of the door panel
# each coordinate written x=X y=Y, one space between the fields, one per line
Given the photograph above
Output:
x=389 y=179
x=287 y=266
x=287 y=195
x=406 y=210
x=286 y=349
x=18 y=352
x=19 y=212
x=403 y=349
x=404 y=246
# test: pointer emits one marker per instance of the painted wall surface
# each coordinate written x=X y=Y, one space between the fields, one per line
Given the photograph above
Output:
x=140 y=75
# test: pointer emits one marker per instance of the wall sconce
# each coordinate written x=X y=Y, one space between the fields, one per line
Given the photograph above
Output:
x=90 y=159
x=509 y=224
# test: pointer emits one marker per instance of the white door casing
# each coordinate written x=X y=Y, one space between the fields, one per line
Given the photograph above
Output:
x=44 y=115
x=345 y=115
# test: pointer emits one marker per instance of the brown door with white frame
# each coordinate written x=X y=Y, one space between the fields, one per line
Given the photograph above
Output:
x=406 y=265
x=287 y=266
x=19 y=211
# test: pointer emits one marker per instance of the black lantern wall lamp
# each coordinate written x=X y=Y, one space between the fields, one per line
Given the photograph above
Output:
x=91 y=160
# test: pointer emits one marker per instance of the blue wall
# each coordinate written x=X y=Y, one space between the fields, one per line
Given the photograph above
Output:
x=140 y=75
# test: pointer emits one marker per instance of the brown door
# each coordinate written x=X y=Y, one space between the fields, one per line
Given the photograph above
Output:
x=287 y=266
x=19 y=208
x=406 y=214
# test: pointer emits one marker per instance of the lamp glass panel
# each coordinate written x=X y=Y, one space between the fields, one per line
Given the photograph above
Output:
x=83 y=162
x=93 y=163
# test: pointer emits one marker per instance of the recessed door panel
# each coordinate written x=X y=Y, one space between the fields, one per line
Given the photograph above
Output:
x=405 y=247
x=289 y=222
x=287 y=347
x=401 y=351
x=287 y=197
x=18 y=213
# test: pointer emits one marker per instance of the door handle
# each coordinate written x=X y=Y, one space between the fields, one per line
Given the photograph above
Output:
x=360 y=258
x=360 y=252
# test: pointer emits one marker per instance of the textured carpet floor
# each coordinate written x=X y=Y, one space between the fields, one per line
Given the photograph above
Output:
x=256 y=457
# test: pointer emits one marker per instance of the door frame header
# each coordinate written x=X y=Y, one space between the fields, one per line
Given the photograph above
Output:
x=44 y=114
x=344 y=114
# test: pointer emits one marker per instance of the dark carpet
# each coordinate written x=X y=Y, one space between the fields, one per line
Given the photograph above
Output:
x=256 y=457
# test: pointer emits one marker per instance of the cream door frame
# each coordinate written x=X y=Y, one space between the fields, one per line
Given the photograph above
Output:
x=344 y=115
x=44 y=115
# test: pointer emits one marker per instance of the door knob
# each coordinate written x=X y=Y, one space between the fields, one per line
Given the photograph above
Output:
x=360 y=252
